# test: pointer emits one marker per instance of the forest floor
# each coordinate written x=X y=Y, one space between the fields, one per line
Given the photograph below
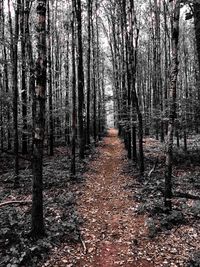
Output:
x=115 y=232
x=108 y=216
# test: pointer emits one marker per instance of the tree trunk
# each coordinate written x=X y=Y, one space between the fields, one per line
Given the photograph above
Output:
x=172 y=96
x=5 y=68
x=94 y=84
x=39 y=122
x=23 y=82
x=15 y=92
x=89 y=15
x=80 y=80
x=67 y=96
x=73 y=152
x=51 y=125
x=197 y=28
x=135 y=101
x=31 y=64
x=197 y=35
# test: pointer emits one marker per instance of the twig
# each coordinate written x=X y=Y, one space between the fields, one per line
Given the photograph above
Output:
x=12 y=154
x=185 y=195
x=20 y=202
x=84 y=245
x=153 y=169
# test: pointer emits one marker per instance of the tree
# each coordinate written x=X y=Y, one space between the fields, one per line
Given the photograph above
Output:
x=80 y=74
x=74 y=112
x=23 y=31
x=172 y=96
x=196 y=12
x=89 y=17
x=39 y=121
x=14 y=45
x=51 y=125
x=196 y=9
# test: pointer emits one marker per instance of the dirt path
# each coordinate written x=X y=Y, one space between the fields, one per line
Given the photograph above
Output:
x=112 y=234
x=110 y=231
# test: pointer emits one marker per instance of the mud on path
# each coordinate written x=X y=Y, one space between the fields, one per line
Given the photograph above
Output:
x=112 y=235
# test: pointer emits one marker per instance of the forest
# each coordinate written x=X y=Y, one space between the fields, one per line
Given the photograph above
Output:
x=100 y=133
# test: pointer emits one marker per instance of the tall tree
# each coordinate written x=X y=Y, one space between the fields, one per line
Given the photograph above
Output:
x=135 y=101
x=15 y=88
x=172 y=97
x=5 y=70
x=89 y=17
x=74 y=119
x=39 y=121
x=23 y=77
x=80 y=75
x=50 y=85
x=196 y=11
x=196 y=8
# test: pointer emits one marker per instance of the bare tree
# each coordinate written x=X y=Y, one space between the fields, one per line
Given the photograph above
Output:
x=39 y=121
x=172 y=96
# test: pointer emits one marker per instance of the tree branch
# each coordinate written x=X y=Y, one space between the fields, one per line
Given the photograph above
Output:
x=18 y=202
x=185 y=195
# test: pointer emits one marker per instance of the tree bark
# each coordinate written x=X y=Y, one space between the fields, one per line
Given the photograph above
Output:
x=39 y=122
x=23 y=81
x=80 y=80
x=51 y=124
x=89 y=15
x=74 y=120
x=172 y=97
x=15 y=92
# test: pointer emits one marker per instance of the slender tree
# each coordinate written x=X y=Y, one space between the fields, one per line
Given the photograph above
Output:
x=23 y=79
x=172 y=96
x=51 y=126
x=14 y=45
x=89 y=17
x=74 y=112
x=80 y=74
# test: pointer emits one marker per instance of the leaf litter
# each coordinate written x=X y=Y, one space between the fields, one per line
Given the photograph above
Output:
x=108 y=217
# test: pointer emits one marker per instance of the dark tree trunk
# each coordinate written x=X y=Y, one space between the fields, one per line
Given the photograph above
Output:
x=31 y=64
x=80 y=80
x=73 y=152
x=15 y=92
x=197 y=35
x=39 y=122
x=67 y=96
x=98 y=73
x=5 y=68
x=89 y=16
x=128 y=78
x=94 y=85
x=51 y=126
x=197 y=28
x=23 y=81
x=172 y=115
x=135 y=101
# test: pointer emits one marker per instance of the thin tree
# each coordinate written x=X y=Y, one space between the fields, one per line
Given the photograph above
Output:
x=23 y=78
x=135 y=101
x=51 y=125
x=15 y=90
x=89 y=15
x=73 y=146
x=172 y=97
x=80 y=74
x=5 y=69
